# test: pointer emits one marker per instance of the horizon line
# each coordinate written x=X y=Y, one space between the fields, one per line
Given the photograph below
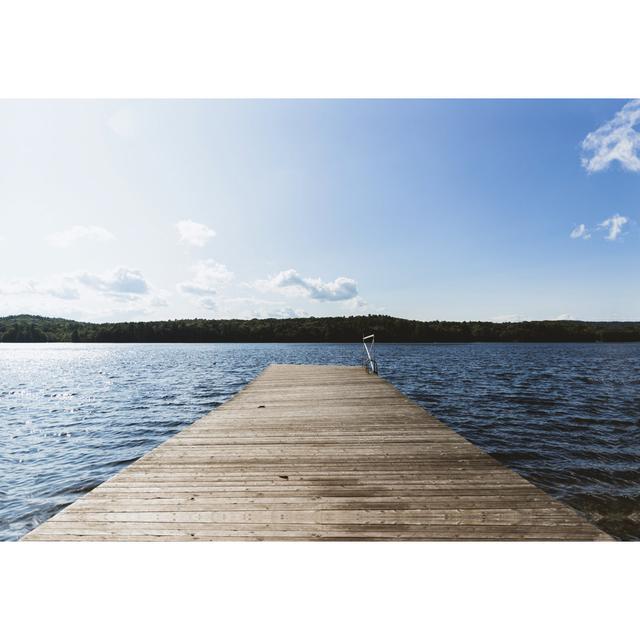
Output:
x=310 y=317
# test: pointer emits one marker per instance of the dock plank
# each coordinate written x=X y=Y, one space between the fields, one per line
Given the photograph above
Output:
x=309 y=452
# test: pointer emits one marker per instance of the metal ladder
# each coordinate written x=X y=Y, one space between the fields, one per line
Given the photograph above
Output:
x=368 y=354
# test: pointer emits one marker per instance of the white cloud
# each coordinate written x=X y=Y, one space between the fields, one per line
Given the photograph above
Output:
x=357 y=304
x=564 y=316
x=580 y=232
x=77 y=233
x=292 y=283
x=158 y=301
x=614 y=224
x=63 y=291
x=510 y=317
x=252 y=307
x=286 y=312
x=208 y=276
x=19 y=287
x=616 y=140
x=133 y=309
x=194 y=233
x=121 y=282
x=209 y=303
x=96 y=297
x=56 y=287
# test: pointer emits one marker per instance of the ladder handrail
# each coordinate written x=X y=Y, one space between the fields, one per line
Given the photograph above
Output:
x=368 y=357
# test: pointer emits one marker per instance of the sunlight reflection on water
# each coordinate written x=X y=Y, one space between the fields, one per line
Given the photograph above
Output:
x=564 y=416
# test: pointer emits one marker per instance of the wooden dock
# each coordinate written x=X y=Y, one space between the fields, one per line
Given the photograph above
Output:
x=317 y=453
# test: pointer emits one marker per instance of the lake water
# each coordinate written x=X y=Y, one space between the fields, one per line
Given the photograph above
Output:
x=565 y=416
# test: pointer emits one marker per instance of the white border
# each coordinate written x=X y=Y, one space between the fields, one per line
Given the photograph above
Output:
x=317 y=590
x=279 y=49
x=333 y=48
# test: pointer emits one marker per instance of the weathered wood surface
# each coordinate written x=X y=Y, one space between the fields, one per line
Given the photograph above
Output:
x=317 y=453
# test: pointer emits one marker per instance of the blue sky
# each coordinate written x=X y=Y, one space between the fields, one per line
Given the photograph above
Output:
x=451 y=210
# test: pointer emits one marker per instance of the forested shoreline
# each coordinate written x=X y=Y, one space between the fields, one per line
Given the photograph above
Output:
x=28 y=328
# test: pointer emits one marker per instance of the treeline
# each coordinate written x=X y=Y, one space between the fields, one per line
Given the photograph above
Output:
x=26 y=328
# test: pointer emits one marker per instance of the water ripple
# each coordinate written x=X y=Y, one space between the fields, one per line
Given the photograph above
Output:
x=567 y=417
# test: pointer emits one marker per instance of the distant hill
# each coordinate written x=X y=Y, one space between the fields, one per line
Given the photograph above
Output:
x=27 y=328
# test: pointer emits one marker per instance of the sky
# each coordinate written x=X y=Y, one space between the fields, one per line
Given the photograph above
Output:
x=423 y=209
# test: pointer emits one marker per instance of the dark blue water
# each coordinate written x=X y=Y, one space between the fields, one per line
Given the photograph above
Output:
x=567 y=417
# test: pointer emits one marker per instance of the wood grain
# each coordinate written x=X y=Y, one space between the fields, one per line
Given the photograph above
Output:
x=317 y=453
